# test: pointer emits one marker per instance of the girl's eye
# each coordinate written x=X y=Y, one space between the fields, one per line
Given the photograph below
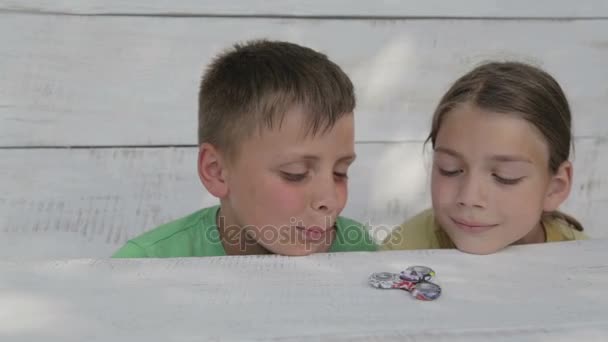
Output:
x=507 y=181
x=293 y=177
x=449 y=173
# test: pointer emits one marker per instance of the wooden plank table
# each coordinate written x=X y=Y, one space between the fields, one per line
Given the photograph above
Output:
x=555 y=291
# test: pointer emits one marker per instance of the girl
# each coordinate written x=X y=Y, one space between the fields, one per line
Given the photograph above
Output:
x=501 y=140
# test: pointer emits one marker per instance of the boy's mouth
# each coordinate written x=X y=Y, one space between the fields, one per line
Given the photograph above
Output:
x=313 y=233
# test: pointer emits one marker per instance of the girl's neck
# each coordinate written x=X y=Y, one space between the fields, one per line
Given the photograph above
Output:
x=536 y=235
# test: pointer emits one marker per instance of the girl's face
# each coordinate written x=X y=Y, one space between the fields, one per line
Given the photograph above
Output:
x=491 y=181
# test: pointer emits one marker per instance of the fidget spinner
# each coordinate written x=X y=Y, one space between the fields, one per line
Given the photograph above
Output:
x=415 y=279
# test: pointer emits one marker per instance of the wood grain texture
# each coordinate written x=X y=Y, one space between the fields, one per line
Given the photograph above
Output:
x=125 y=74
x=544 y=292
x=333 y=8
x=89 y=81
x=87 y=202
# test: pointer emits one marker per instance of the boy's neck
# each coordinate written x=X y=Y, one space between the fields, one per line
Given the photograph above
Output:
x=235 y=240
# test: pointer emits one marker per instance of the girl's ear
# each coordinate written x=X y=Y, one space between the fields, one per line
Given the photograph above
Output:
x=559 y=187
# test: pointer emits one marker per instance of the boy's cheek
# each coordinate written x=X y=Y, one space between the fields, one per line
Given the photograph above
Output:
x=342 y=192
x=286 y=198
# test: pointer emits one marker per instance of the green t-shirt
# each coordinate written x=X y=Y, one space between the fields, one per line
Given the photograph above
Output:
x=196 y=235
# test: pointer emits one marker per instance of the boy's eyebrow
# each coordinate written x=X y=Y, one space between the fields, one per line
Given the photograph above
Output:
x=497 y=158
x=348 y=158
x=314 y=158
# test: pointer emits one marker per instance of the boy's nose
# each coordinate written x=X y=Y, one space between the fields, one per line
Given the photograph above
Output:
x=326 y=204
x=325 y=197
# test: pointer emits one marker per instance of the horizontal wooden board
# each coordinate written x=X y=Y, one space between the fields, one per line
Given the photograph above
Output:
x=321 y=297
x=87 y=202
x=333 y=8
x=116 y=81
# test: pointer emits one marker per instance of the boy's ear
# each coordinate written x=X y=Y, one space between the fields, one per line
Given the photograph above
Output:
x=212 y=170
x=559 y=187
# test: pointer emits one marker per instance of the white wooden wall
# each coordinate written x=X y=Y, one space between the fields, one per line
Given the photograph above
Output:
x=98 y=102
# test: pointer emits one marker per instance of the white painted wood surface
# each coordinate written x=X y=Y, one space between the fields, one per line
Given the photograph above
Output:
x=321 y=8
x=87 y=202
x=79 y=80
x=548 y=292
x=125 y=74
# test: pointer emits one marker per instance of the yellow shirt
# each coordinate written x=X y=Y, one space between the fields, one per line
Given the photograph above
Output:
x=423 y=232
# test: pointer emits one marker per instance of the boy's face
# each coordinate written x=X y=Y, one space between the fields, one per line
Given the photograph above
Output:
x=490 y=181
x=286 y=188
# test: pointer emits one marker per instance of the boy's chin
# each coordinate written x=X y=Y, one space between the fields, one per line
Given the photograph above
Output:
x=297 y=250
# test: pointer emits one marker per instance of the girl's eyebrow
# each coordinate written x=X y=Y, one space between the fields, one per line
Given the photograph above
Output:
x=503 y=158
x=448 y=151
x=510 y=158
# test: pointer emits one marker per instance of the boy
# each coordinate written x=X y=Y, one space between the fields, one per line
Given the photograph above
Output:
x=276 y=139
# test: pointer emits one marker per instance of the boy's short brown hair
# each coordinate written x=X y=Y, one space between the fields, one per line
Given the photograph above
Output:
x=252 y=85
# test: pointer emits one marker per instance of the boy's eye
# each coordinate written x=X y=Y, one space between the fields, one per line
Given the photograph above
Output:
x=293 y=177
x=340 y=175
x=507 y=181
x=449 y=173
